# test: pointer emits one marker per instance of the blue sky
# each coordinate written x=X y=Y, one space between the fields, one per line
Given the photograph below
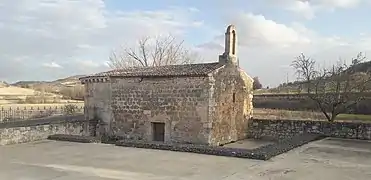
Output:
x=45 y=40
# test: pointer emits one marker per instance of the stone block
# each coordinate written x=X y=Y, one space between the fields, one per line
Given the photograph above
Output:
x=356 y=130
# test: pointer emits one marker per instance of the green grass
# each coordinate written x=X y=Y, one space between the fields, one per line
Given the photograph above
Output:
x=361 y=117
x=261 y=113
x=275 y=91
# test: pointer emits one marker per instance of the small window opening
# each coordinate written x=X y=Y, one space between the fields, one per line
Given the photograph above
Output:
x=234 y=97
x=233 y=42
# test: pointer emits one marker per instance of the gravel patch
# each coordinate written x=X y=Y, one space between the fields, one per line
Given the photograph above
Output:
x=260 y=153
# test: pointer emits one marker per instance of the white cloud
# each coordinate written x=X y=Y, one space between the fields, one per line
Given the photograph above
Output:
x=64 y=31
x=266 y=47
x=78 y=35
x=51 y=65
x=338 y=3
x=309 y=8
x=302 y=7
x=256 y=29
x=88 y=63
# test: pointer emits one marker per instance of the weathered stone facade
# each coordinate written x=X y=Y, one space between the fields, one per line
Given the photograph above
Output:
x=230 y=104
x=283 y=129
x=196 y=103
x=98 y=104
x=179 y=102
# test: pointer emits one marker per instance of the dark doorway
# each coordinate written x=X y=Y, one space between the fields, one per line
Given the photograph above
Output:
x=233 y=42
x=158 y=131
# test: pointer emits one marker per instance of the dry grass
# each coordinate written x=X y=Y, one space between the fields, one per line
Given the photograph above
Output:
x=278 y=114
x=268 y=92
x=260 y=113
x=17 y=91
x=14 y=95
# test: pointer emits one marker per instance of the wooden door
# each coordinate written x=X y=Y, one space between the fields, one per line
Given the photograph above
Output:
x=158 y=131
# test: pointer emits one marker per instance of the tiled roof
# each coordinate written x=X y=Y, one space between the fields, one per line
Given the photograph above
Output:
x=169 y=70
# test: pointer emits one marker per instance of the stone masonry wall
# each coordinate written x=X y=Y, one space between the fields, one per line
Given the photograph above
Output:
x=280 y=129
x=98 y=103
x=231 y=105
x=33 y=130
x=179 y=102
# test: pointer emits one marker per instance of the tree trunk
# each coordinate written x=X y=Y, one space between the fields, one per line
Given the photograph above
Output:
x=328 y=116
x=332 y=119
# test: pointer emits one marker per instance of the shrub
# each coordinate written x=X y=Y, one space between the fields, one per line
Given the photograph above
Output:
x=70 y=109
x=257 y=84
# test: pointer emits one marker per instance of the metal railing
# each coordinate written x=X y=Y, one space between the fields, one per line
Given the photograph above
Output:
x=23 y=113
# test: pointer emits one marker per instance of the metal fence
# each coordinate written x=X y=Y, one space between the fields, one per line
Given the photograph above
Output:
x=29 y=112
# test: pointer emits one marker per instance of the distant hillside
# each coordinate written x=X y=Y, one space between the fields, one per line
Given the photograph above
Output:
x=69 y=87
x=25 y=83
x=69 y=81
x=14 y=95
x=64 y=82
x=55 y=86
x=362 y=67
x=3 y=84
x=292 y=87
x=285 y=88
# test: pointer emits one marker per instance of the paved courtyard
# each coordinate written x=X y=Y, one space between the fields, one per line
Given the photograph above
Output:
x=49 y=160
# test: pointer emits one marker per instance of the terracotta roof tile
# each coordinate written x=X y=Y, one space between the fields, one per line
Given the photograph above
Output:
x=169 y=70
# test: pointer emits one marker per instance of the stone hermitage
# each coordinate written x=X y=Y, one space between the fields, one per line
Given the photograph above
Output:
x=206 y=103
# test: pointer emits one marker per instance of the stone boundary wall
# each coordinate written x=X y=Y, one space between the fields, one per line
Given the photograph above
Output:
x=37 y=129
x=299 y=102
x=283 y=129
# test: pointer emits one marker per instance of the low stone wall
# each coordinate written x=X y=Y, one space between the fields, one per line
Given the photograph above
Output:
x=283 y=129
x=38 y=129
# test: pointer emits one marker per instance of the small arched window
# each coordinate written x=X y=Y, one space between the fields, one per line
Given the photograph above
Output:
x=233 y=42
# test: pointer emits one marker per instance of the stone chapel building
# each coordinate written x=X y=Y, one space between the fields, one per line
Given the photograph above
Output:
x=208 y=103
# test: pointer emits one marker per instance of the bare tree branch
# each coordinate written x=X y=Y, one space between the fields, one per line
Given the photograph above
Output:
x=156 y=51
x=305 y=70
x=335 y=89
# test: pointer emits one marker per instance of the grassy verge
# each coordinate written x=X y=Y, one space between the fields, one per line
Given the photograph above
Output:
x=361 y=117
x=305 y=115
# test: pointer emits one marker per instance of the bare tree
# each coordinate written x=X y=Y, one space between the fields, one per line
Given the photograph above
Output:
x=153 y=51
x=334 y=89
x=305 y=71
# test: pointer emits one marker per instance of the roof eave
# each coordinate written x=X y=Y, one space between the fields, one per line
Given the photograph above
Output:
x=158 y=76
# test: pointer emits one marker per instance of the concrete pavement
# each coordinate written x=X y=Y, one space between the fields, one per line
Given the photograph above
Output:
x=49 y=160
